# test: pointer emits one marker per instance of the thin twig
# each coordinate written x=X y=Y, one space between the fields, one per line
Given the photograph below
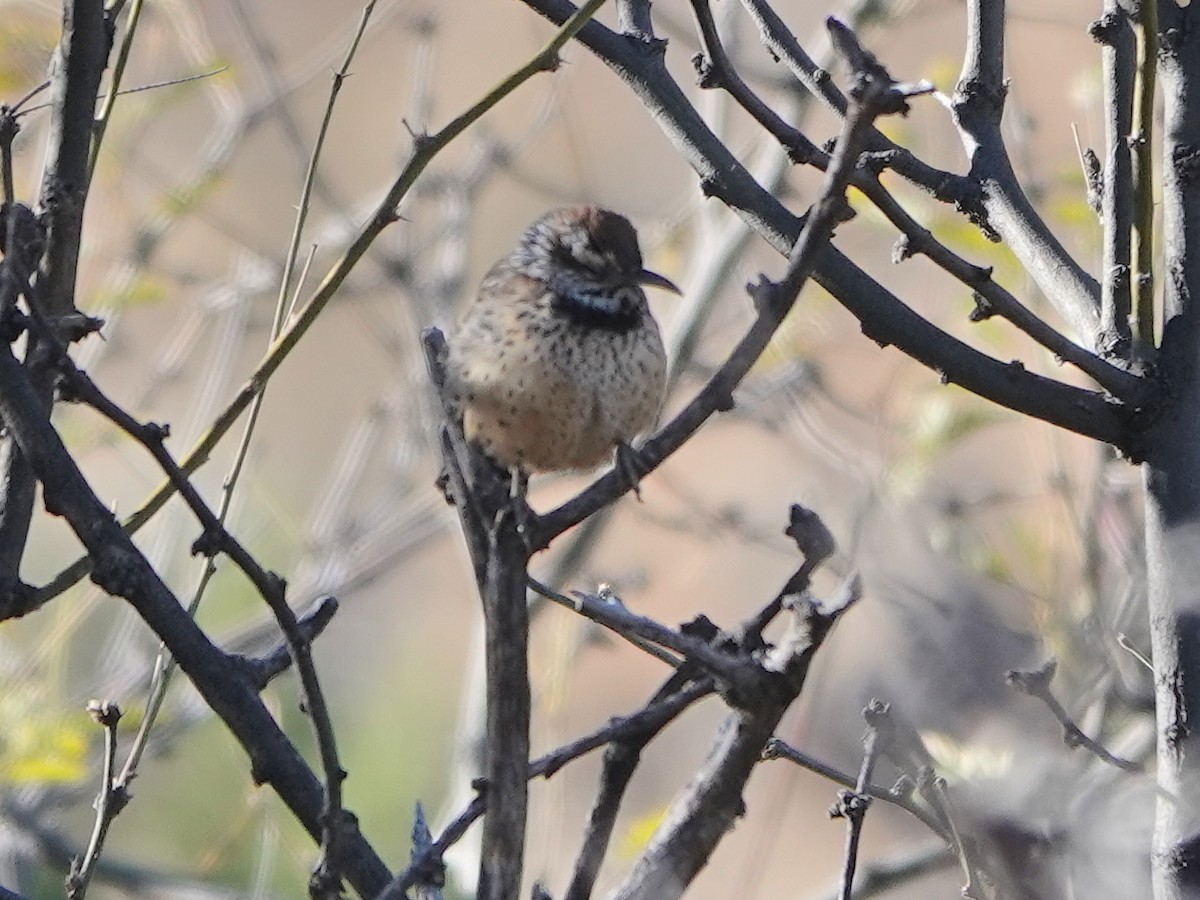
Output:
x=1114 y=31
x=263 y=669
x=852 y=804
x=164 y=664
x=580 y=605
x=110 y=800
x=1036 y=683
x=777 y=748
x=1142 y=239
x=783 y=45
x=104 y=114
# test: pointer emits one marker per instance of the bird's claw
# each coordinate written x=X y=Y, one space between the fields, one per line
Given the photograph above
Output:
x=632 y=465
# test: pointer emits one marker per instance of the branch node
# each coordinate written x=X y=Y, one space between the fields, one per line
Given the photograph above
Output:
x=1014 y=369
x=813 y=538
x=983 y=308
x=114 y=571
x=902 y=249
x=764 y=293
x=209 y=544
x=850 y=805
x=104 y=713
x=708 y=76
x=157 y=432
x=1103 y=29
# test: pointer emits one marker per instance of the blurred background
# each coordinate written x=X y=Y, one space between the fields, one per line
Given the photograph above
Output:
x=985 y=542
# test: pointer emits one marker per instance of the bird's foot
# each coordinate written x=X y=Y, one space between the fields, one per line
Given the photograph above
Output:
x=523 y=514
x=633 y=466
x=442 y=483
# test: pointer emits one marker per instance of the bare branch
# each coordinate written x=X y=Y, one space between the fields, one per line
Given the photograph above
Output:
x=78 y=64
x=1036 y=683
x=782 y=45
x=620 y=761
x=852 y=804
x=654 y=716
x=121 y=570
x=780 y=749
x=977 y=105
x=885 y=318
x=717 y=70
x=1114 y=32
x=109 y=801
x=425 y=148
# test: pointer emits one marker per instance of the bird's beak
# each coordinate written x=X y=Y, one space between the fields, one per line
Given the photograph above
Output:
x=653 y=279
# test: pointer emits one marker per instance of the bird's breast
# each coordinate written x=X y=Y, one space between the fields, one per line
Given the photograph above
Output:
x=545 y=393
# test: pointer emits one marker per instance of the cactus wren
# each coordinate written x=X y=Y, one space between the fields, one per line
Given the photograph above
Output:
x=558 y=360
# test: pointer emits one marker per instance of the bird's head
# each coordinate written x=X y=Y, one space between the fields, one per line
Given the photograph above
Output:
x=590 y=259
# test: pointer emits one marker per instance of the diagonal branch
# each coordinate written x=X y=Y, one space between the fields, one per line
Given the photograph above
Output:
x=1114 y=32
x=703 y=814
x=885 y=318
x=425 y=148
x=662 y=709
x=120 y=569
x=977 y=106
x=1036 y=683
x=718 y=71
x=621 y=759
x=783 y=45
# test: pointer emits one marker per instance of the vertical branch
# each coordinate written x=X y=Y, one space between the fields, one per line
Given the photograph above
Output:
x=506 y=637
x=1172 y=485
x=1146 y=41
x=852 y=804
x=104 y=116
x=108 y=802
x=500 y=559
x=78 y=64
x=1114 y=32
x=75 y=81
x=20 y=236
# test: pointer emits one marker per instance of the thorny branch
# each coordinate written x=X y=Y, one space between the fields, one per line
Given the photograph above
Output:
x=716 y=70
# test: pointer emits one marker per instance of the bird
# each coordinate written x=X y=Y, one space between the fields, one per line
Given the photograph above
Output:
x=558 y=362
